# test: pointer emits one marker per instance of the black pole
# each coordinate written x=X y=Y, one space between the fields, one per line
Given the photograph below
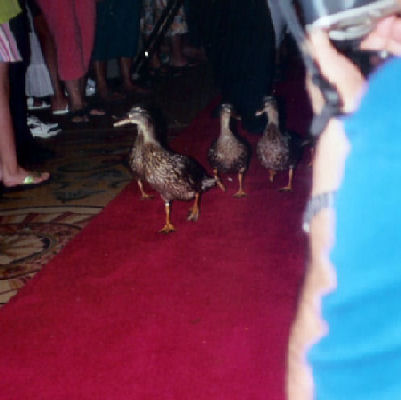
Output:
x=151 y=44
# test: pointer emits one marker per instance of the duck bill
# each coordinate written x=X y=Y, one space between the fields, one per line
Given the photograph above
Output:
x=122 y=122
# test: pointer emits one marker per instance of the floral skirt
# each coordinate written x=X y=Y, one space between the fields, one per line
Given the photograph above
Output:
x=8 y=46
x=153 y=9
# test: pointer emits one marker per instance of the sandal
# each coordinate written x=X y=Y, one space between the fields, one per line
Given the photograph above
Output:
x=94 y=111
x=33 y=179
x=42 y=105
x=79 y=116
x=83 y=115
x=62 y=111
x=110 y=97
x=158 y=72
x=137 y=90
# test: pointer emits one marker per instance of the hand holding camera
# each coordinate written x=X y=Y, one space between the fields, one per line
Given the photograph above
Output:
x=339 y=70
x=385 y=37
x=380 y=32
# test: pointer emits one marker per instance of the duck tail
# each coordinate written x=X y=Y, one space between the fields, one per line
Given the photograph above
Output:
x=208 y=182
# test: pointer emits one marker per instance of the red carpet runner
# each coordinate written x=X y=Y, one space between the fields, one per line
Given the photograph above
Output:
x=124 y=312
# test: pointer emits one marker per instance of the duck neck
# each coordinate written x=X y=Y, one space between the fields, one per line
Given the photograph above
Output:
x=146 y=130
x=272 y=116
x=225 y=124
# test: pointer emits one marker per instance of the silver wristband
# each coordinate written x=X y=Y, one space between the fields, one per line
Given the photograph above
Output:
x=314 y=205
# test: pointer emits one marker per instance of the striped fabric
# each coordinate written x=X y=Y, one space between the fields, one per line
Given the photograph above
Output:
x=8 y=46
x=8 y=9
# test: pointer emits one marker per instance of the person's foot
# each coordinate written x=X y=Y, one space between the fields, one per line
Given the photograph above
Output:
x=83 y=115
x=22 y=177
x=108 y=96
x=196 y=54
x=34 y=103
x=134 y=88
x=179 y=63
x=95 y=111
x=79 y=116
x=59 y=106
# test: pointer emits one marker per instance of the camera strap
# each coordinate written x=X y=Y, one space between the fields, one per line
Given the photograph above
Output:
x=332 y=106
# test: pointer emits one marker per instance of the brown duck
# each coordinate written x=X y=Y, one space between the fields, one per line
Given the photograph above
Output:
x=174 y=176
x=275 y=150
x=228 y=153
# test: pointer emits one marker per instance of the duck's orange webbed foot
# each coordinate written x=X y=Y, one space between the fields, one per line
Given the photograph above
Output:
x=168 y=228
x=219 y=183
x=193 y=215
x=272 y=174
x=288 y=188
x=240 y=194
x=194 y=210
x=146 y=196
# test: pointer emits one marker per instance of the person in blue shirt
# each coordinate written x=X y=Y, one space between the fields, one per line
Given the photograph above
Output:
x=345 y=342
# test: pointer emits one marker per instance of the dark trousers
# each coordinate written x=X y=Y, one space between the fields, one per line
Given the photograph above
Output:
x=240 y=43
x=194 y=12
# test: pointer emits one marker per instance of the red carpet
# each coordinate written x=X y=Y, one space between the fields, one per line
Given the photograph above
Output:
x=124 y=312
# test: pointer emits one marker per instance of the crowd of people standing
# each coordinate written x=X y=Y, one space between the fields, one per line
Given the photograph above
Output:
x=78 y=37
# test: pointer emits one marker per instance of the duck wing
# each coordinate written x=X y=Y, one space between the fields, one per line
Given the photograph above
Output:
x=175 y=176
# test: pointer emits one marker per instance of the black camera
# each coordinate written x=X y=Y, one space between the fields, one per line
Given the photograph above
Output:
x=346 y=20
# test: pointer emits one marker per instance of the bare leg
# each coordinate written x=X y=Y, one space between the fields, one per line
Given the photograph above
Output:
x=177 y=57
x=58 y=101
x=125 y=66
x=196 y=53
x=11 y=174
x=74 y=89
x=100 y=70
x=102 y=87
x=129 y=86
x=155 y=61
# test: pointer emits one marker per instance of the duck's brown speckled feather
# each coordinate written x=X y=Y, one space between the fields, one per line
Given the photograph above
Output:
x=273 y=149
x=136 y=159
x=228 y=154
x=174 y=176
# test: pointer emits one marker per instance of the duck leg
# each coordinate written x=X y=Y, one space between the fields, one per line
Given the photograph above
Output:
x=144 y=196
x=288 y=188
x=240 y=192
x=194 y=210
x=312 y=156
x=272 y=174
x=169 y=227
x=218 y=180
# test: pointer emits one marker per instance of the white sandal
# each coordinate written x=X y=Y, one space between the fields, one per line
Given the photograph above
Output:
x=63 y=111
x=30 y=102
